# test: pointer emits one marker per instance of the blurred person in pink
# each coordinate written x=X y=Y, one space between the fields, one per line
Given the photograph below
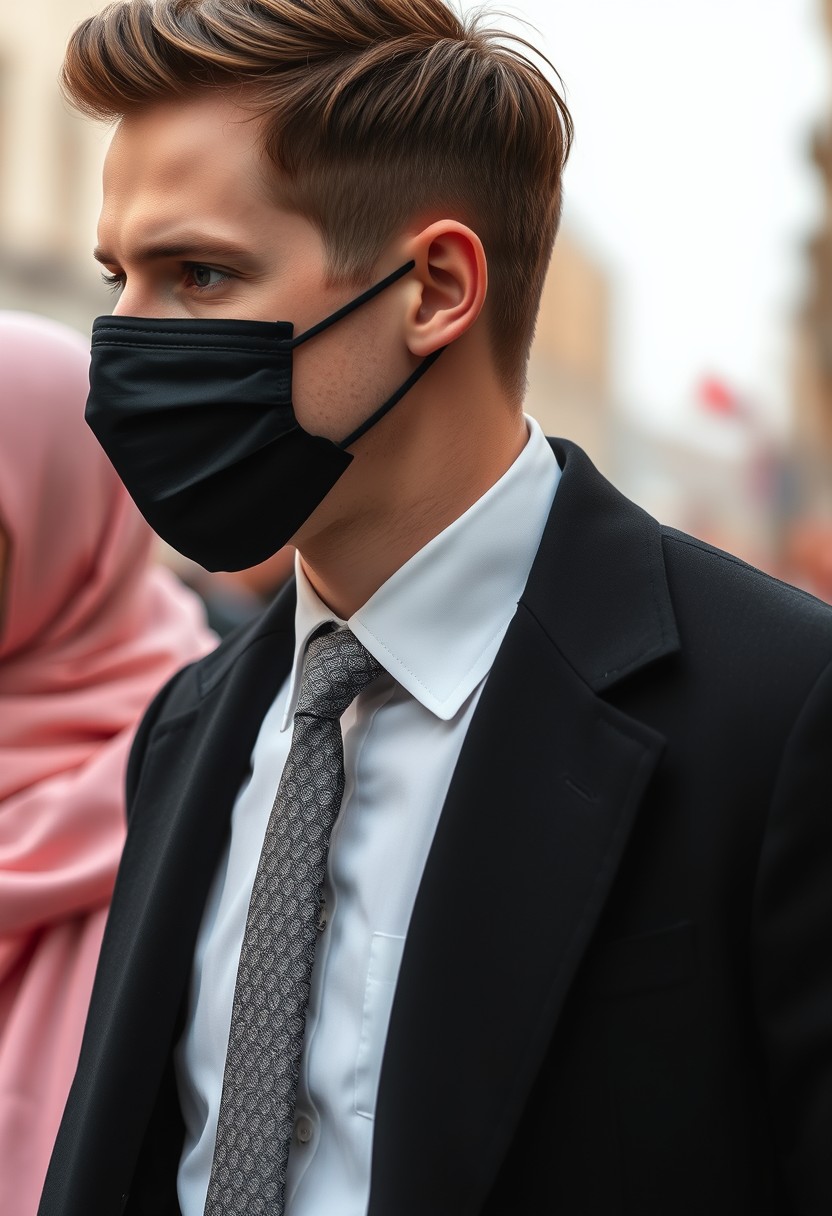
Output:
x=89 y=629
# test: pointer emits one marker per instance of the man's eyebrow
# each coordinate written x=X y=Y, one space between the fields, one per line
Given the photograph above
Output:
x=189 y=248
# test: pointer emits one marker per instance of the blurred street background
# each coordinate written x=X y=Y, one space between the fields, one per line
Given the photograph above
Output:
x=685 y=336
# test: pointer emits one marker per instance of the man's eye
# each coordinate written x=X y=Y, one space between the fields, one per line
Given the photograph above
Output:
x=115 y=282
x=203 y=276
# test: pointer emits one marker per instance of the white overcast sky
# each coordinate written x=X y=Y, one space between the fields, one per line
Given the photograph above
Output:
x=690 y=178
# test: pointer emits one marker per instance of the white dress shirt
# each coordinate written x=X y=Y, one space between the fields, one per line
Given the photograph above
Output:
x=435 y=626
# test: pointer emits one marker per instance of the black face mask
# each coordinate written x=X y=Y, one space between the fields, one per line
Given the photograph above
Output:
x=197 y=419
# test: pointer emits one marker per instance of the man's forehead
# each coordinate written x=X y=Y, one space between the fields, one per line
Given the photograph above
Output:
x=172 y=160
x=211 y=115
x=184 y=135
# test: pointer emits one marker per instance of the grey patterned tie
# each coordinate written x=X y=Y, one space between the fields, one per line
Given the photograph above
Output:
x=254 y=1132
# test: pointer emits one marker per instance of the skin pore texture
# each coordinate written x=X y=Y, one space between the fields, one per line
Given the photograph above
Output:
x=191 y=227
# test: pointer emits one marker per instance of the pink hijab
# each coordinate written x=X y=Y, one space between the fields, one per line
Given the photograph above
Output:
x=89 y=630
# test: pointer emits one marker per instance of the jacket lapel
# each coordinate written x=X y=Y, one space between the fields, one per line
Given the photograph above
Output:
x=544 y=796
x=189 y=781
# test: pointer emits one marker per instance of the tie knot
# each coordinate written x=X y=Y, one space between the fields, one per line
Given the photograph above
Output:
x=336 y=667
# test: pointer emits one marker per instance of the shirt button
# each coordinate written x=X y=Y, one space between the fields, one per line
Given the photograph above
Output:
x=304 y=1130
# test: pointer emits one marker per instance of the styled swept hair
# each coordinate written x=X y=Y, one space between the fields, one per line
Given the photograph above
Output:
x=377 y=111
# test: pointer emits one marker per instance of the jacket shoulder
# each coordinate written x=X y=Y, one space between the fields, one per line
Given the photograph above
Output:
x=731 y=572
x=178 y=701
x=742 y=606
x=189 y=686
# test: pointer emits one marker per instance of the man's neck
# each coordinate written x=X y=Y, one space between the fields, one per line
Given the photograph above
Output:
x=422 y=478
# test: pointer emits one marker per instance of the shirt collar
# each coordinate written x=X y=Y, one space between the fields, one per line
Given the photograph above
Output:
x=437 y=623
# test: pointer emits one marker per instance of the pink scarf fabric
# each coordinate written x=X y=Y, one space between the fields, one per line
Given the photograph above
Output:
x=89 y=630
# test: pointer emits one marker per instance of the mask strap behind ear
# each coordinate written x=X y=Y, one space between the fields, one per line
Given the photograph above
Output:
x=351 y=306
x=394 y=400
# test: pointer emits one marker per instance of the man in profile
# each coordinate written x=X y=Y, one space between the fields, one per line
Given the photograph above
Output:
x=488 y=872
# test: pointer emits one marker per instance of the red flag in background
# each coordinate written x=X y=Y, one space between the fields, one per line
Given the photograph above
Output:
x=717 y=397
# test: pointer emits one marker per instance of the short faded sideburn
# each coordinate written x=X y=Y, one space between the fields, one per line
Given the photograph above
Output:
x=378 y=111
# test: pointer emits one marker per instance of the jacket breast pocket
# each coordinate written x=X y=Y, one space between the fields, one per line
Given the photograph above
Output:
x=664 y=958
x=382 y=973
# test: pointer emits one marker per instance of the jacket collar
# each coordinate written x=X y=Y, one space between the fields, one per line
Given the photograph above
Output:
x=598 y=587
x=274 y=627
x=536 y=821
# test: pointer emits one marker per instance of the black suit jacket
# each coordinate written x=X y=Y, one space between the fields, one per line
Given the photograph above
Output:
x=616 y=991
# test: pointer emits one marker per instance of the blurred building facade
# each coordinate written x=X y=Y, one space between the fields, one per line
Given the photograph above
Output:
x=570 y=390
x=50 y=169
x=813 y=342
x=809 y=539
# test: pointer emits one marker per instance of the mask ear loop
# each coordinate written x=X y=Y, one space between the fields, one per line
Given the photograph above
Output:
x=427 y=362
x=370 y=294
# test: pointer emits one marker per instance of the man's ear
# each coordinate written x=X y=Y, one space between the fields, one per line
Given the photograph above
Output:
x=449 y=284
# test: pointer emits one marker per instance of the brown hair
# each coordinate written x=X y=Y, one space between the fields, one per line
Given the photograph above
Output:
x=382 y=110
